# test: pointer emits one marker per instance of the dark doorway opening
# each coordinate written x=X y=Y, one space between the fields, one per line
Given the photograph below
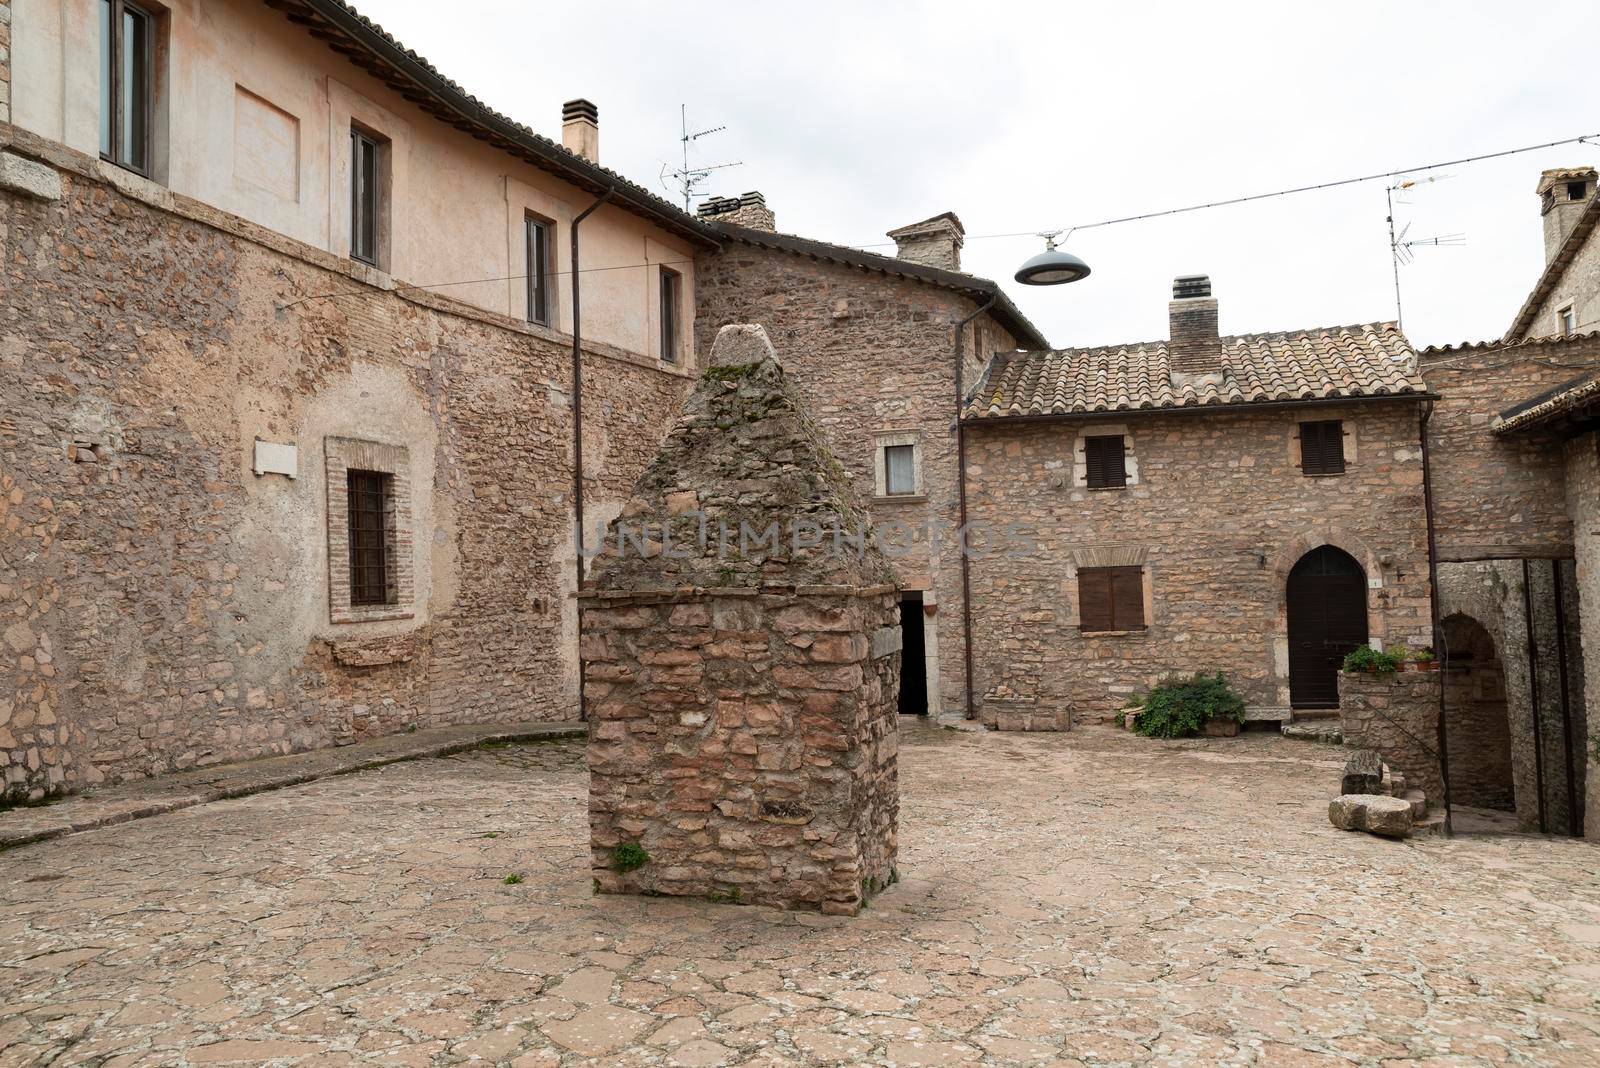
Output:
x=1477 y=732
x=913 y=657
x=1327 y=607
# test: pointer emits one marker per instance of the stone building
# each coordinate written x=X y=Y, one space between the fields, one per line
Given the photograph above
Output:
x=1247 y=504
x=271 y=479
x=1513 y=493
x=881 y=347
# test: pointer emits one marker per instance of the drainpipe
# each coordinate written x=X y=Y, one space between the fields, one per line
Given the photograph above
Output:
x=1433 y=597
x=577 y=428
x=961 y=492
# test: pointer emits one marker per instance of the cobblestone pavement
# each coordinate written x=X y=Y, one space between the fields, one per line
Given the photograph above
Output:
x=1087 y=897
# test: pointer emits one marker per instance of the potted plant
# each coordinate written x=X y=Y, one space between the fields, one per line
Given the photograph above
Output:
x=1179 y=707
x=1422 y=660
x=1366 y=660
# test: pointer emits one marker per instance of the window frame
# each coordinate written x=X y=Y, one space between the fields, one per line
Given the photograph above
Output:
x=393 y=462
x=359 y=138
x=1566 y=320
x=1328 y=457
x=379 y=588
x=112 y=96
x=1114 y=624
x=911 y=461
x=1120 y=480
x=537 y=283
x=670 y=304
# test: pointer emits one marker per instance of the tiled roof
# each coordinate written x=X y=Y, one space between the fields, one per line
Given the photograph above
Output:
x=1374 y=360
x=368 y=45
x=1004 y=312
x=1568 y=398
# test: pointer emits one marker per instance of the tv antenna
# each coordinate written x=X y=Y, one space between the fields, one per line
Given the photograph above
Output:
x=687 y=178
x=1400 y=247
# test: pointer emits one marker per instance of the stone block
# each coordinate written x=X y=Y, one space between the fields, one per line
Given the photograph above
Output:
x=1363 y=773
x=1390 y=817
x=29 y=178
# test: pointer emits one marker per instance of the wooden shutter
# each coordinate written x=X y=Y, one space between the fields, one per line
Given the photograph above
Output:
x=1094 y=598
x=1127 y=598
x=1322 y=447
x=1105 y=457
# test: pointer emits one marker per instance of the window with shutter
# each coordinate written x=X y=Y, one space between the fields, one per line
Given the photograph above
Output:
x=1322 y=447
x=1110 y=598
x=1105 y=459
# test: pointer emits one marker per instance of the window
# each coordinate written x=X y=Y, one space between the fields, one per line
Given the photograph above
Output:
x=1575 y=190
x=899 y=470
x=1111 y=598
x=538 y=271
x=1105 y=460
x=371 y=501
x=1322 y=447
x=364 y=196
x=1566 y=322
x=127 y=84
x=669 y=315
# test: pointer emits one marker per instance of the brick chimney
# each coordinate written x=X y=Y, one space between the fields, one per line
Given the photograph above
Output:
x=1563 y=194
x=580 y=129
x=747 y=209
x=934 y=242
x=1195 y=350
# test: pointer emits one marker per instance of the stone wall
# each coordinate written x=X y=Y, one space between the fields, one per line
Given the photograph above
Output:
x=1579 y=286
x=5 y=61
x=871 y=354
x=1477 y=727
x=1396 y=715
x=162 y=606
x=1218 y=515
x=1583 y=499
x=742 y=693
x=1498 y=496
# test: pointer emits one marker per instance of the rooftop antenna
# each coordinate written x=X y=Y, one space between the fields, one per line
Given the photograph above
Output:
x=687 y=178
x=1399 y=247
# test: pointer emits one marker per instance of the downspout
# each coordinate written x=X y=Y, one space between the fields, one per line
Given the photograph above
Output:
x=961 y=493
x=1535 y=698
x=577 y=429
x=1433 y=598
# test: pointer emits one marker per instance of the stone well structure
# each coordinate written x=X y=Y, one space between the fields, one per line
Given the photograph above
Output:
x=741 y=650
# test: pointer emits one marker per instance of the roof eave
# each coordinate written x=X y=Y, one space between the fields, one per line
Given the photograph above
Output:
x=548 y=156
x=1554 y=270
x=1202 y=408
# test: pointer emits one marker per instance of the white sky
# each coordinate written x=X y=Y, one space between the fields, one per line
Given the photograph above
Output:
x=854 y=118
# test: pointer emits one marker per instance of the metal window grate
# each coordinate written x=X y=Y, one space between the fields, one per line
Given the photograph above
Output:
x=371 y=496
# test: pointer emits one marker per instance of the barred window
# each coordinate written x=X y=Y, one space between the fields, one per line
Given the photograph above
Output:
x=371 y=503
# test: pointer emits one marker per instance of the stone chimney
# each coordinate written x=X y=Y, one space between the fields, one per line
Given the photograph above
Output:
x=747 y=209
x=1195 y=350
x=1563 y=194
x=580 y=129
x=934 y=242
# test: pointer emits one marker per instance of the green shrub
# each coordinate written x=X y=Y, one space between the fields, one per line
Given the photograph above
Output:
x=629 y=856
x=1180 y=707
x=1365 y=658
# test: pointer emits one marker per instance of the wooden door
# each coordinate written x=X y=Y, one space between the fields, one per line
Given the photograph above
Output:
x=1327 y=603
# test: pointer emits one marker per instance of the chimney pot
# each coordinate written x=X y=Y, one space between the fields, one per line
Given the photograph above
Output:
x=1195 y=349
x=1564 y=193
x=747 y=209
x=580 y=129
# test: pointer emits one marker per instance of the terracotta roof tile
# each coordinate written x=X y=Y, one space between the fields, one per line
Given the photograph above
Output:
x=1341 y=361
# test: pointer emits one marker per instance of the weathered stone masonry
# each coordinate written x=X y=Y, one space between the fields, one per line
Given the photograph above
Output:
x=162 y=606
x=1218 y=516
x=742 y=693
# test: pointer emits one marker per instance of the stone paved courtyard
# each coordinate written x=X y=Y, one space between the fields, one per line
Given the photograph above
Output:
x=1082 y=898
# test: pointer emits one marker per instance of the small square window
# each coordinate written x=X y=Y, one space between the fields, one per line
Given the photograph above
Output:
x=1576 y=190
x=1111 y=598
x=538 y=241
x=671 y=290
x=1105 y=461
x=1566 y=322
x=1322 y=447
x=899 y=470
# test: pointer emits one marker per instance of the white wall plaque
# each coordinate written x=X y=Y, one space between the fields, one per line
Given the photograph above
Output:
x=275 y=459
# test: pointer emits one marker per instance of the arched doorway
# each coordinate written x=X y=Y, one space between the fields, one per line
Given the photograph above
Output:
x=1326 y=598
x=1477 y=732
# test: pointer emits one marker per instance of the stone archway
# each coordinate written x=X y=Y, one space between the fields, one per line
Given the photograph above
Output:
x=1477 y=729
x=1280 y=563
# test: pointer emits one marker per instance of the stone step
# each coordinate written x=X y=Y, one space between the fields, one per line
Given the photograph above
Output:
x=1313 y=715
x=1326 y=731
x=1267 y=714
x=1430 y=825
x=1419 y=804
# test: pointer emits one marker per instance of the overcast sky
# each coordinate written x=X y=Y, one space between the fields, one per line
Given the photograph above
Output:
x=854 y=118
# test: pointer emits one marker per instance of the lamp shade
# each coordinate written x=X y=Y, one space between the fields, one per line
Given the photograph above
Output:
x=1052 y=267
